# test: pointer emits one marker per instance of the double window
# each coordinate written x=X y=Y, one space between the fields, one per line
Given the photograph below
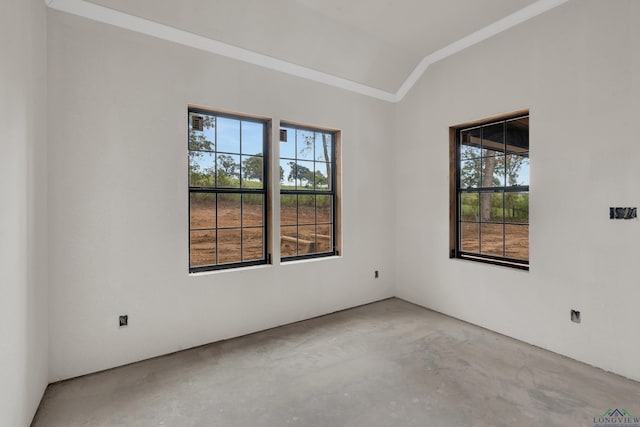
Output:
x=228 y=191
x=490 y=191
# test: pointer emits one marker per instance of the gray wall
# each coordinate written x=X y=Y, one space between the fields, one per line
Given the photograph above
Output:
x=118 y=199
x=577 y=69
x=23 y=223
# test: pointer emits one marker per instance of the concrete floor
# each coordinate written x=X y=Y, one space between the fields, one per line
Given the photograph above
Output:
x=385 y=364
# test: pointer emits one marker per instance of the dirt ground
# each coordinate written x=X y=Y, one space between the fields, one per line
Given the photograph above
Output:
x=516 y=239
x=236 y=244
x=245 y=244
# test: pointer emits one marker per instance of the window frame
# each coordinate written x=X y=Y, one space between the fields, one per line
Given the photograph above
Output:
x=334 y=192
x=264 y=191
x=456 y=190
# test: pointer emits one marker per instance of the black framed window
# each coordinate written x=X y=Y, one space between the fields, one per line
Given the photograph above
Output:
x=228 y=159
x=308 y=192
x=491 y=181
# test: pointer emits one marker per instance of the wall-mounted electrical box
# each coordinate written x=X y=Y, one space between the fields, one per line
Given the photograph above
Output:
x=623 y=213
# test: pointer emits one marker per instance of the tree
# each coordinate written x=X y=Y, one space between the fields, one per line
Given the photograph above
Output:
x=300 y=173
x=510 y=166
x=481 y=172
x=227 y=167
x=326 y=139
x=320 y=179
x=198 y=143
x=309 y=143
x=488 y=180
x=252 y=168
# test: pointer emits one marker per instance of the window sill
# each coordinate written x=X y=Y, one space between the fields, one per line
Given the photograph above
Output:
x=307 y=260
x=497 y=262
x=229 y=270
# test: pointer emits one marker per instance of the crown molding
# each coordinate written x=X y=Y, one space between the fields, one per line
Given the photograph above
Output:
x=144 y=26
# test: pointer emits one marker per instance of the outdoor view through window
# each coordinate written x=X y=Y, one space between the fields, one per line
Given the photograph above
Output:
x=492 y=191
x=227 y=190
x=307 y=192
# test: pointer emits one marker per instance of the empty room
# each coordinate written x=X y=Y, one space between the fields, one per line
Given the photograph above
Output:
x=319 y=213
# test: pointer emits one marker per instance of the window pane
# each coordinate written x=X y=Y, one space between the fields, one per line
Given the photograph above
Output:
x=324 y=208
x=492 y=239
x=287 y=175
x=493 y=138
x=487 y=204
x=288 y=209
x=516 y=207
x=228 y=171
x=517 y=241
x=252 y=137
x=288 y=241
x=202 y=248
x=470 y=173
x=518 y=135
x=226 y=226
x=306 y=171
x=202 y=139
x=322 y=176
x=229 y=242
x=324 y=239
x=517 y=169
x=288 y=147
x=252 y=244
x=305 y=143
x=323 y=147
x=306 y=239
x=228 y=135
x=492 y=170
x=470 y=237
x=303 y=173
x=469 y=207
x=493 y=158
x=252 y=210
x=252 y=171
x=496 y=209
x=229 y=210
x=469 y=152
x=202 y=210
x=470 y=142
x=201 y=169
x=306 y=209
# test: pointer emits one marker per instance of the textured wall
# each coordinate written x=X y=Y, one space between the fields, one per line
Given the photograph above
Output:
x=576 y=68
x=118 y=199
x=23 y=210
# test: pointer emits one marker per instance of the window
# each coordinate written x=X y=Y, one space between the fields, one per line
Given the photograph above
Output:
x=490 y=191
x=227 y=190
x=309 y=203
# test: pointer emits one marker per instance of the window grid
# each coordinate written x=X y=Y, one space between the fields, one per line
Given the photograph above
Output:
x=492 y=144
x=228 y=177
x=307 y=244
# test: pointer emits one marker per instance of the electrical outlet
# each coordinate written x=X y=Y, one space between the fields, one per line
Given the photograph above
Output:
x=124 y=320
x=575 y=316
x=376 y=274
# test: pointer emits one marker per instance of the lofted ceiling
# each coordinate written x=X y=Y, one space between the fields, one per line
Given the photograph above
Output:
x=375 y=44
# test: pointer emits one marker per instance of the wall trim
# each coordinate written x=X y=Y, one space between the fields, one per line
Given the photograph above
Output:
x=123 y=20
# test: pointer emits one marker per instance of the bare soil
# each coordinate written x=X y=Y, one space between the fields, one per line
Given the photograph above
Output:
x=491 y=240
x=239 y=234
